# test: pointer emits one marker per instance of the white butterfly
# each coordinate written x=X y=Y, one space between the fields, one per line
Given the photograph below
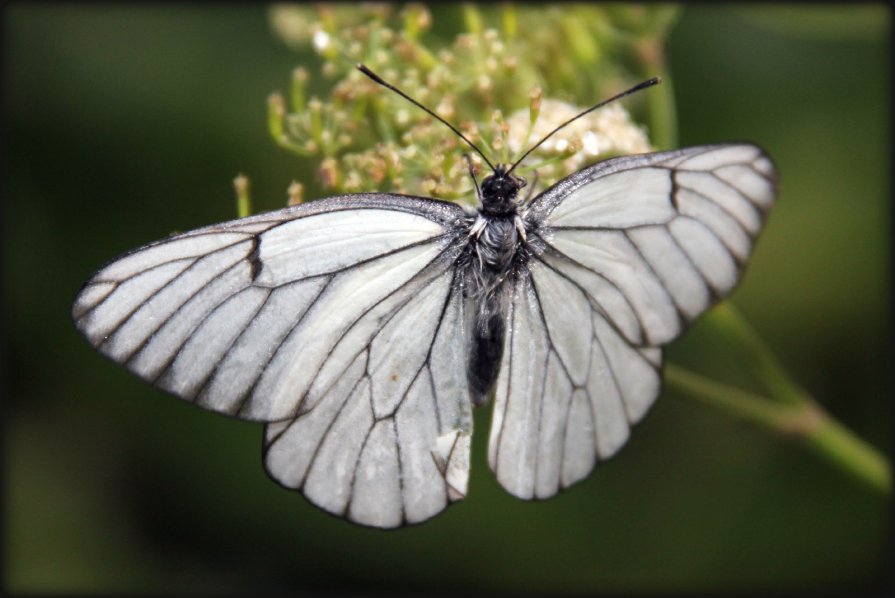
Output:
x=363 y=328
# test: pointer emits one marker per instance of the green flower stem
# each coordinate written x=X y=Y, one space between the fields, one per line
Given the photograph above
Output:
x=661 y=108
x=730 y=325
x=662 y=115
x=841 y=446
x=472 y=18
x=735 y=401
x=243 y=197
x=792 y=411
x=509 y=20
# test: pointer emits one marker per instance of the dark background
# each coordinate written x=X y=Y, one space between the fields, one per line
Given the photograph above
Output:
x=123 y=124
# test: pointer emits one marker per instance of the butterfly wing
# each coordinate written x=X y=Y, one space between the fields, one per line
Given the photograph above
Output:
x=626 y=254
x=334 y=318
x=388 y=442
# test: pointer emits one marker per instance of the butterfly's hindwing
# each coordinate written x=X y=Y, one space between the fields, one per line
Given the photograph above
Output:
x=372 y=447
x=569 y=388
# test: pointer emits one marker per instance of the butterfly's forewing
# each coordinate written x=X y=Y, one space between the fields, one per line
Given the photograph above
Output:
x=628 y=252
x=337 y=316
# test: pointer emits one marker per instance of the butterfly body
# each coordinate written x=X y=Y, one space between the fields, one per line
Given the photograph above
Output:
x=497 y=253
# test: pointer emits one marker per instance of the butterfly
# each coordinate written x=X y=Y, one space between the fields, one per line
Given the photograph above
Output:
x=363 y=329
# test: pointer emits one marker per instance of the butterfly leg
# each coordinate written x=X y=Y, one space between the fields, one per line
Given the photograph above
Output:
x=478 y=192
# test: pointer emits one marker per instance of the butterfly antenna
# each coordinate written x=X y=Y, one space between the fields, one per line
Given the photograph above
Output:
x=638 y=87
x=362 y=68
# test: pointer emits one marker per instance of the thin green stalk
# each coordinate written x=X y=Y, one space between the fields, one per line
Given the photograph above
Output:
x=833 y=441
x=791 y=410
x=662 y=115
x=733 y=400
x=757 y=357
x=804 y=419
x=243 y=197
x=661 y=108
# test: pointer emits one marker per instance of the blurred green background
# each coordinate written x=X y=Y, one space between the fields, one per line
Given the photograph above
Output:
x=124 y=124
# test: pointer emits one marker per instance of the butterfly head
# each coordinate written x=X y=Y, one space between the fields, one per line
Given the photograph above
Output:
x=499 y=191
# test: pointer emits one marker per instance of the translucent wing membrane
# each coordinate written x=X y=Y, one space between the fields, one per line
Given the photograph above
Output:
x=336 y=319
x=388 y=443
x=656 y=239
x=569 y=388
x=626 y=254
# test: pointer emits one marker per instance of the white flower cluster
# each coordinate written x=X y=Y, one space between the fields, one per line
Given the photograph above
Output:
x=606 y=132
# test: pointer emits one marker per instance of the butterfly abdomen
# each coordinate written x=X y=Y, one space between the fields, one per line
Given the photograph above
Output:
x=485 y=354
